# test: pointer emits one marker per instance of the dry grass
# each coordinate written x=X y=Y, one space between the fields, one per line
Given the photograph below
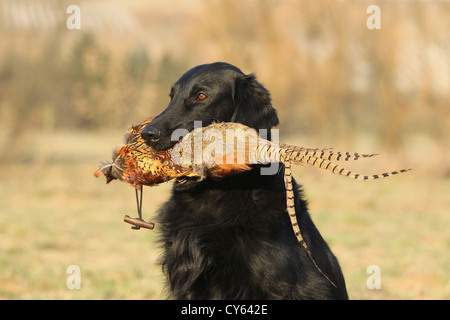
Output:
x=54 y=213
x=324 y=68
x=399 y=224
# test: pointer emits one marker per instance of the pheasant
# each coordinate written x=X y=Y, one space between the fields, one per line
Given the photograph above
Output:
x=139 y=165
x=218 y=150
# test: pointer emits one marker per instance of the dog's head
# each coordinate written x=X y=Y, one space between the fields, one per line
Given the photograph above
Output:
x=210 y=93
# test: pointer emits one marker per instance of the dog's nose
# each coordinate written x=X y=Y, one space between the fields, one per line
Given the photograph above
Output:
x=150 y=134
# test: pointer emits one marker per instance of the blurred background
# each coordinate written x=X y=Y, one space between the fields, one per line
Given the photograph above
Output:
x=67 y=98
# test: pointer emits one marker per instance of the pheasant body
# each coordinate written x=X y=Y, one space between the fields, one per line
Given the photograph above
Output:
x=219 y=150
x=246 y=148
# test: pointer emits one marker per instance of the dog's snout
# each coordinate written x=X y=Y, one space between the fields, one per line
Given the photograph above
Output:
x=150 y=134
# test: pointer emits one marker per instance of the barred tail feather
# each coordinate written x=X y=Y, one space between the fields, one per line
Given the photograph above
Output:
x=387 y=174
x=326 y=153
x=290 y=204
x=334 y=168
x=316 y=157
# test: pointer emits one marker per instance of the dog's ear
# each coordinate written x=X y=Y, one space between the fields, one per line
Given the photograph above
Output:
x=253 y=104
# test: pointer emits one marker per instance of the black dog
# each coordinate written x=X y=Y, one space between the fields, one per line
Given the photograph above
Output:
x=232 y=239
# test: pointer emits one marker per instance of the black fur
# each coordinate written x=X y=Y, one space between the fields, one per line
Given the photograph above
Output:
x=232 y=239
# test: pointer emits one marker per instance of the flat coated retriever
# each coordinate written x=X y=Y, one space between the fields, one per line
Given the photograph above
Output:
x=232 y=238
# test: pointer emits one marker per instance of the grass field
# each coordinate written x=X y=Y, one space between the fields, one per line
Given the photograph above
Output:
x=54 y=213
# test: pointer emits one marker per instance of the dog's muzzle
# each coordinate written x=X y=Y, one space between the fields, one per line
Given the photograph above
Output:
x=150 y=134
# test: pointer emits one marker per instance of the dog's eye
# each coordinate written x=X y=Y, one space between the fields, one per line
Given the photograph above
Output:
x=201 y=96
